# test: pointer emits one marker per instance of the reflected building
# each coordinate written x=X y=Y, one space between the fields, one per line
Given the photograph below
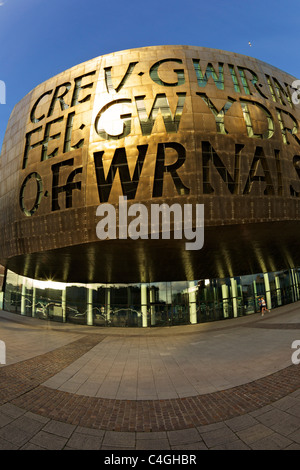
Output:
x=89 y=154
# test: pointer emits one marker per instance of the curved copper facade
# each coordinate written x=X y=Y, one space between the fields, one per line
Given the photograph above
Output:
x=174 y=124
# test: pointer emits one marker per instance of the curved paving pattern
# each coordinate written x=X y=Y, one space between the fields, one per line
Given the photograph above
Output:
x=201 y=421
x=21 y=386
x=159 y=415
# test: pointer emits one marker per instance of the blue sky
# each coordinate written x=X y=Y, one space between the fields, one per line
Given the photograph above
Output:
x=40 y=38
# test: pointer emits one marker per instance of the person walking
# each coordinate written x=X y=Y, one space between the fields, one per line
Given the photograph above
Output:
x=263 y=306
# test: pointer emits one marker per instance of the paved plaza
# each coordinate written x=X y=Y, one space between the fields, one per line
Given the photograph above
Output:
x=224 y=385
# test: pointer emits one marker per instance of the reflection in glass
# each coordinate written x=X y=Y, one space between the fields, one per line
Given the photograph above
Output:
x=151 y=304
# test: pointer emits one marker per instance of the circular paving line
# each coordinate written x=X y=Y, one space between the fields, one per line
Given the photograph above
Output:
x=21 y=386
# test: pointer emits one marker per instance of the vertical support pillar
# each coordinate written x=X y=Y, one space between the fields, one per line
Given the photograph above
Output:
x=64 y=305
x=268 y=292
x=107 y=304
x=89 y=317
x=33 y=301
x=225 y=300
x=278 y=290
x=215 y=295
x=192 y=302
x=291 y=285
x=295 y=284
x=234 y=295
x=23 y=299
x=152 y=307
x=144 y=305
x=205 y=293
x=255 y=296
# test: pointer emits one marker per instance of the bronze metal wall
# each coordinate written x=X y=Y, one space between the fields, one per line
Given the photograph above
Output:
x=174 y=124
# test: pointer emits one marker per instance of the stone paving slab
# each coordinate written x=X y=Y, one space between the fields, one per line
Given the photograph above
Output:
x=177 y=366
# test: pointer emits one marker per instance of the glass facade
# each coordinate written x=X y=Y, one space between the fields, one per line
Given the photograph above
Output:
x=151 y=304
